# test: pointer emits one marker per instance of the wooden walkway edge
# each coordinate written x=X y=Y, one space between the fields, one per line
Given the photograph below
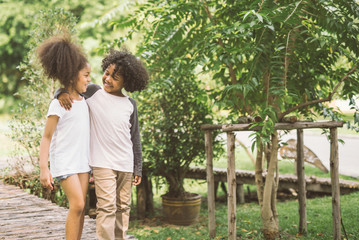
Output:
x=26 y=216
x=286 y=181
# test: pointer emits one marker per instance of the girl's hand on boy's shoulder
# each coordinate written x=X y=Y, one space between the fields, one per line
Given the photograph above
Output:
x=136 y=180
x=65 y=100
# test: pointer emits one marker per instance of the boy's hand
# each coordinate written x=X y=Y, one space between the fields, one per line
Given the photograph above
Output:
x=136 y=181
x=91 y=179
x=46 y=179
x=65 y=100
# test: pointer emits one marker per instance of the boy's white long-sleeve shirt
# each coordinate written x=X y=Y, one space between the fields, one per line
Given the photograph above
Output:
x=111 y=145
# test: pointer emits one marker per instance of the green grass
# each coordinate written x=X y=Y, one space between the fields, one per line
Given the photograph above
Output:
x=319 y=221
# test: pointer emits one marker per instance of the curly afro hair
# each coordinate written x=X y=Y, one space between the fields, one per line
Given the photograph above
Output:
x=129 y=67
x=61 y=59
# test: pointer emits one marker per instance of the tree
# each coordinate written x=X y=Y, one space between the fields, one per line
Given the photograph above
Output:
x=15 y=23
x=269 y=59
x=17 y=20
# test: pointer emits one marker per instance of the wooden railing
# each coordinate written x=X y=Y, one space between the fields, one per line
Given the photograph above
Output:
x=231 y=175
x=286 y=181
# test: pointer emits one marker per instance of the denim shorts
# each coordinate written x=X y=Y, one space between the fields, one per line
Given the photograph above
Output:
x=63 y=177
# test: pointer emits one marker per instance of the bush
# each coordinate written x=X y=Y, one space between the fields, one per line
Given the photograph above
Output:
x=171 y=113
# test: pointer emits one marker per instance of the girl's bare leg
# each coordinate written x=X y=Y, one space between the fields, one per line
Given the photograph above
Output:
x=84 y=181
x=74 y=189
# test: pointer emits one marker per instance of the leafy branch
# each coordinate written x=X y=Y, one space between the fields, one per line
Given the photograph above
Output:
x=232 y=73
x=329 y=98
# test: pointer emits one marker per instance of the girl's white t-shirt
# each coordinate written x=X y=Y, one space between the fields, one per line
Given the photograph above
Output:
x=111 y=145
x=70 y=143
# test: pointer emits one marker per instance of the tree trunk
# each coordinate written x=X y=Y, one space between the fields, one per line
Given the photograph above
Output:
x=268 y=211
x=175 y=184
x=144 y=192
x=258 y=172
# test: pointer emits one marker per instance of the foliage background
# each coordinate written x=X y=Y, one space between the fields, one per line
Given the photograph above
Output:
x=17 y=19
x=265 y=57
x=161 y=25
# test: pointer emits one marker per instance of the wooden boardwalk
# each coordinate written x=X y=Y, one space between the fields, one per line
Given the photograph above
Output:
x=286 y=181
x=25 y=216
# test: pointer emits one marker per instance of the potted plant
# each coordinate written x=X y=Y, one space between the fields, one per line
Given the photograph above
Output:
x=171 y=112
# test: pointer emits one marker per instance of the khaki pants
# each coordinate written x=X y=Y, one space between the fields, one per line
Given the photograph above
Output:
x=113 y=192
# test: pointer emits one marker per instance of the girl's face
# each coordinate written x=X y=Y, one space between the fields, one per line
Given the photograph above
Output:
x=83 y=79
x=112 y=85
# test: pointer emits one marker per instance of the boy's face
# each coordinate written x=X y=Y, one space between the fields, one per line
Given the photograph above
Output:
x=112 y=85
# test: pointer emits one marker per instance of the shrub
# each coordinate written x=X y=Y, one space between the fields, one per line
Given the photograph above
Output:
x=171 y=112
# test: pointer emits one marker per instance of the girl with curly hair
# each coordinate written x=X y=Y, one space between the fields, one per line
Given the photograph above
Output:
x=64 y=61
x=115 y=152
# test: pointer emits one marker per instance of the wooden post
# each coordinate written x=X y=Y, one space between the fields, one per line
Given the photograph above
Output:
x=302 y=193
x=210 y=184
x=231 y=181
x=240 y=194
x=334 y=175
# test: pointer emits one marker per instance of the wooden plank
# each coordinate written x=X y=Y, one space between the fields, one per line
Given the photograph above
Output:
x=302 y=193
x=334 y=174
x=211 y=127
x=25 y=216
x=210 y=184
x=240 y=194
x=286 y=181
x=284 y=126
x=278 y=126
x=231 y=180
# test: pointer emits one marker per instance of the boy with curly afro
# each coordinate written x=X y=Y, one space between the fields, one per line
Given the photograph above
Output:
x=115 y=148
